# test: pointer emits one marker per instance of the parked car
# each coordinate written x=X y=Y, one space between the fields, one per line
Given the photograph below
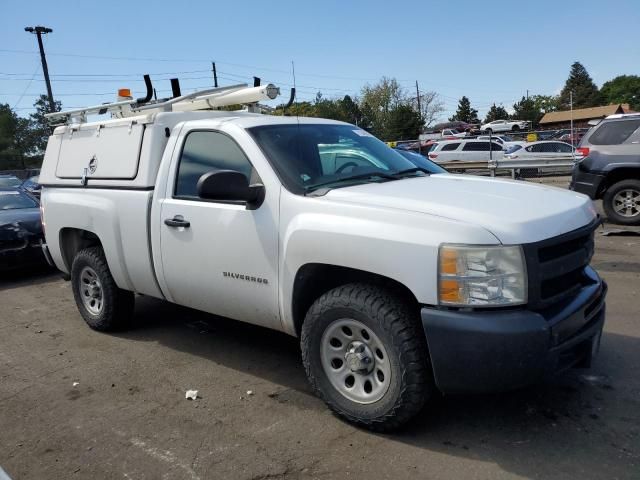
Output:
x=505 y=140
x=399 y=284
x=9 y=181
x=504 y=126
x=32 y=186
x=420 y=161
x=20 y=230
x=465 y=151
x=573 y=139
x=546 y=134
x=610 y=169
x=447 y=133
x=541 y=150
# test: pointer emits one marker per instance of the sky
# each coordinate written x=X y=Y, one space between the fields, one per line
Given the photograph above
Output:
x=492 y=52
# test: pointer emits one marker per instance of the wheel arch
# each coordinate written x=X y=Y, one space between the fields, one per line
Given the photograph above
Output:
x=617 y=175
x=314 y=279
x=72 y=240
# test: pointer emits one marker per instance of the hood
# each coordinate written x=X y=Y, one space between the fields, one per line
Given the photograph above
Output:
x=514 y=211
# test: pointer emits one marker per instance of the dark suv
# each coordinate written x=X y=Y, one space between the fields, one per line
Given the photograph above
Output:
x=610 y=169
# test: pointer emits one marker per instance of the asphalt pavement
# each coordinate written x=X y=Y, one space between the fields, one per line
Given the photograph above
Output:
x=75 y=403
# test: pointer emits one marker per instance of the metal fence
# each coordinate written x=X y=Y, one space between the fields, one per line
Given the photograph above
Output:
x=521 y=169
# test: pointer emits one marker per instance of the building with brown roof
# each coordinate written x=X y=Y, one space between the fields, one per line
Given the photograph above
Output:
x=581 y=116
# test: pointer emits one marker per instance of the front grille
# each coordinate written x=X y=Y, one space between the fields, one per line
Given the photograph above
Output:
x=556 y=266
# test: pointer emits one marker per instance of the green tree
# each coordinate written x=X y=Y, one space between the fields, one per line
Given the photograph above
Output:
x=623 y=89
x=496 y=113
x=546 y=103
x=585 y=92
x=39 y=126
x=379 y=100
x=526 y=109
x=404 y=123
x=14 y=139
x=465 y=113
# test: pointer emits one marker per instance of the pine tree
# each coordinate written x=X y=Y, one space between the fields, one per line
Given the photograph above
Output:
x=465 y=113
x=585 y=92
x=496 y=113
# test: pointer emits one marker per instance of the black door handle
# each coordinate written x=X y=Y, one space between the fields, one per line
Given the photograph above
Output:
x=177 y=221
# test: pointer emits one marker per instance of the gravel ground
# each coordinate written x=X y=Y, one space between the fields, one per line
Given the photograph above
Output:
x=75 y=403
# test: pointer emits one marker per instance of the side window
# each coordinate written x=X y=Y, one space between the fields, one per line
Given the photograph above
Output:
x=564 y=148
x=535 y=148
x=206 y=151
x=496 y=147
x=449 y=146
x=479 y=147
x=614 y=133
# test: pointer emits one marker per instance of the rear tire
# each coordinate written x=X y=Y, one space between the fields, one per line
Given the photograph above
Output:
x=621 y=202
x=101 y=303
x=365 y=354
x=488 y=131
x=515 y=128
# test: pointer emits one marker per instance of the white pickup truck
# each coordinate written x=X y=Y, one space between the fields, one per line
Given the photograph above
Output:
x=399 y=283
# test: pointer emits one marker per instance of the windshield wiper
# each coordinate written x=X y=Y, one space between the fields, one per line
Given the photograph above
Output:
x=402 y=173
x=362 y=176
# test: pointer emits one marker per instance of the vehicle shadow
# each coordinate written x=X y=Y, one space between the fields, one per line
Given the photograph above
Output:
x=28 y=276
x=262 y=352
x=583 y=422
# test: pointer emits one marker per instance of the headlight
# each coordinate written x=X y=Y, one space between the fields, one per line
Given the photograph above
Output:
x=481 y=276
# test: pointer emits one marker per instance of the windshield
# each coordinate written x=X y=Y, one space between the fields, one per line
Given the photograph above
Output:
x=10 y=181
x=422 y=162
x=13 y=199
x=513 y=148
x=309 y=156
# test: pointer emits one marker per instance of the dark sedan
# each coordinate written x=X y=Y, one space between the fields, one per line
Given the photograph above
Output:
x=20 y=230
x=32 y=186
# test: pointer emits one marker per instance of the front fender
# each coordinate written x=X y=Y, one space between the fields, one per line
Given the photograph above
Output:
x=399 y=245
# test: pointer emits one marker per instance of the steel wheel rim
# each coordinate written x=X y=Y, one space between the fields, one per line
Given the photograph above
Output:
x=343 y=357
x=91 y=291
x=626 y=203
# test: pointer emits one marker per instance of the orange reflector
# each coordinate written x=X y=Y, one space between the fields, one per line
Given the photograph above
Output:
x=124 y=92
x=450 y=291
x=448 y=261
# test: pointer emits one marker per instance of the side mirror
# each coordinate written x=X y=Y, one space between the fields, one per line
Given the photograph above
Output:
x=230 y=186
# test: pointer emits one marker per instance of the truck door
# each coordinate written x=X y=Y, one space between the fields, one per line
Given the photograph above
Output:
x=218 y=257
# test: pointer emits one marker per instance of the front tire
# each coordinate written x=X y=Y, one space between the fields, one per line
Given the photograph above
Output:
x=621 y=202
x=515 y=128
x=365 y=355
x=101 y=303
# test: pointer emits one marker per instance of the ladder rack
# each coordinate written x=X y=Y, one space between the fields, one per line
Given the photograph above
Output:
x=240 y=94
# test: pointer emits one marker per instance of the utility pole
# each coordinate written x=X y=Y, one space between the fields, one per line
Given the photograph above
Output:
x=39 y=31
x=419 y=113
x=527 y=94
x=215 y=74
x=571 y=110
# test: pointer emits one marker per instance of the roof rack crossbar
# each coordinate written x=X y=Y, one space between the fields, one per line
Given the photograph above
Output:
x=199 y=100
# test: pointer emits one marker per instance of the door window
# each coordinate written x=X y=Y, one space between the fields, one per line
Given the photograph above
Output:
x=481 y=147
x=207 y=151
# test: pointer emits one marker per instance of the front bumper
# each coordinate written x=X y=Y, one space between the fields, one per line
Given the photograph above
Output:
x=491 y=351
